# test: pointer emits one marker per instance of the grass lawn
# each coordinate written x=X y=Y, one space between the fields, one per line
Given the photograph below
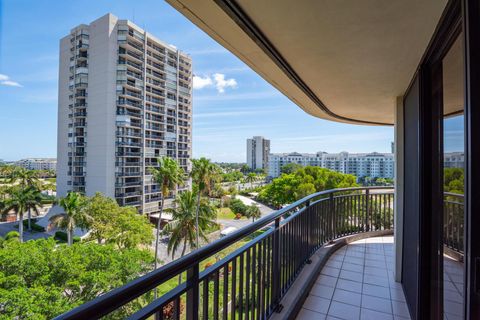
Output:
x=226 y=214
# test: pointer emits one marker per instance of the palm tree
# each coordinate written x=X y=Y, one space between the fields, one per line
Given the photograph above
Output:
x=168 y=175
x=203 y=173
x=74 y=216
x=25 y=178
x=22 y=200
x=183 y=227
x=253 y=212
x=250 y=178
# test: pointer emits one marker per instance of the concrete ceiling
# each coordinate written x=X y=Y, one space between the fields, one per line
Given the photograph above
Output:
x=341 y=60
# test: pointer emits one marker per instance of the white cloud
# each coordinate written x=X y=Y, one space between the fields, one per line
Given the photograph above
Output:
x=200 y=83
x=5 y=81
x=221 y=83
x=218 y=81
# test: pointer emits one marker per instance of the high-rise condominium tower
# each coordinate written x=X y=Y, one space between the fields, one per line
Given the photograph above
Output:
x=258 y=149
x=125 y=99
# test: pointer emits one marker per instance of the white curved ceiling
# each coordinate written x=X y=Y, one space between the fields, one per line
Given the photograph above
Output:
x=355 y=57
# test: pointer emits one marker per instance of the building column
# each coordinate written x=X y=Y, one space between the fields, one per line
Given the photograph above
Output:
x=399 y=186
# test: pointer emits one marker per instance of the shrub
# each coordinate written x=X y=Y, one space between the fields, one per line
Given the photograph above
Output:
x=226 y=201
x=237 y=206
x=238 y=216
x=62 y=236
x=12 y=235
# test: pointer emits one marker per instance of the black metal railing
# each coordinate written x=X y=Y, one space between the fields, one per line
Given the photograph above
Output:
x=453 y=221
x=265 y=259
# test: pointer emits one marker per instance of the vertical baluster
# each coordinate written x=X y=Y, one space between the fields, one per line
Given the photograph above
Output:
x=225 y=292
x=459 y=234
x=206 y=293
x=349 y=213
x=192 y=293
x=276 y=265
x=268 y=275
x=367 y=210
x=176 y=306
x=265 y=276
x=247 y=286
x=259 y=278
x=234 y=286
x=240 y=289
x=254 y=278
x=216 y=293
x=330 y=217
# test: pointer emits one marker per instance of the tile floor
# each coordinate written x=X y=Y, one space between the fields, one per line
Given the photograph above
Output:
x=357 y=283
x=452 y=289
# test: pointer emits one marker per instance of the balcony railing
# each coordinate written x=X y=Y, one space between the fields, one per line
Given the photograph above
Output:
x=453 y=217
x=251 y=281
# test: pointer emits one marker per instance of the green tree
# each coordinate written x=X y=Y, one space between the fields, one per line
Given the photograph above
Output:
x=290 y=168
x=103 y=211
x=22 y=199
x=74 y=216
x=453 y=180
x=131 y=229
x=183 y=228
x=112 y=224
x=204 y=172
x=168 y=174
x=237 y=206
x=245 y=169
x=306 y=180
x=304 y=189
x=62 y=277
x=253 y=212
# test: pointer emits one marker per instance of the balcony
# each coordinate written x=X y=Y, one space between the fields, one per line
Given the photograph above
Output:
x=128 y=174
x=264 y=269
x=357 y=282
x=129 y=113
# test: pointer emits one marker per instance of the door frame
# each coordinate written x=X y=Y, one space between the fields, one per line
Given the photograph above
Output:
x=429 y=285
x=471 y=26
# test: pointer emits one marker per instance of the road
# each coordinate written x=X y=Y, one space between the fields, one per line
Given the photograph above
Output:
x=6 y=227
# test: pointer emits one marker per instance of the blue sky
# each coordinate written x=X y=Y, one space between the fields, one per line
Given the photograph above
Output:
x=248 y=106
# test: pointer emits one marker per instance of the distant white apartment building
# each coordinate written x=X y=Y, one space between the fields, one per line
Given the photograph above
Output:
x=258 y=150
x=373 y=164
x=125 y=99
x=454 y=160
x=38 y=163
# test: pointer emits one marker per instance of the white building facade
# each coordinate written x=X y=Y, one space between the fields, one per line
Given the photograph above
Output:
x=38 y=164
x=373 y=164
x=454 y=160
x=125 y=99
x=258 y=151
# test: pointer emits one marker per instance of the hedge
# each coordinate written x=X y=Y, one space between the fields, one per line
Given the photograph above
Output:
x=35 y=227
x=62 y=236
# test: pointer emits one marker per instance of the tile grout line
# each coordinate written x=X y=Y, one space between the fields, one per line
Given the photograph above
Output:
x=336 y=282
x=363 y=274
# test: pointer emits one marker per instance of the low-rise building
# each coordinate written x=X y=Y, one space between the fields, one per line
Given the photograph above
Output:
x=38 y=163
x=375 y=165
x=454 y=160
